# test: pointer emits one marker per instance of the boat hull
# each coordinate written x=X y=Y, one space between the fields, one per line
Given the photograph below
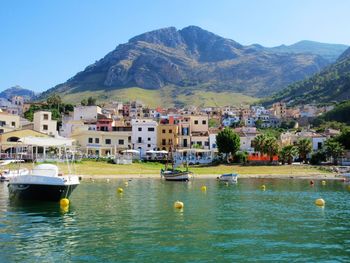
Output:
x=40 y=191
x=177 y=176
x=230 y=178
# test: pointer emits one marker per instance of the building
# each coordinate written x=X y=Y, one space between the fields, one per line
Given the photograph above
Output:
x=144 y=135
x=87 y=113
x=279 y=110
x=168 y=134
x=101 y=143
x=43 y=123
x=9 y=122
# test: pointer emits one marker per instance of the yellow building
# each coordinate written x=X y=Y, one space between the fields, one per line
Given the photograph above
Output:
x=8 y=122
x=167 y=136
x=8 y=142
x=101 y=143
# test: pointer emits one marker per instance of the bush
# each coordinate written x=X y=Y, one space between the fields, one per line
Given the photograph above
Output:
x=317 y=158
x=241 y=157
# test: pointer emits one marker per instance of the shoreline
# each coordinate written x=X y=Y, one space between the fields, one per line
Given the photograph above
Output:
x=328 y=176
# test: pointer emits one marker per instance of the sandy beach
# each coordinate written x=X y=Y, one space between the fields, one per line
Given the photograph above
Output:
x=328 y=176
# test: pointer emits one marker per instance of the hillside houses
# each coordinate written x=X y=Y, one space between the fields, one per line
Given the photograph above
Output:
x=108 y=130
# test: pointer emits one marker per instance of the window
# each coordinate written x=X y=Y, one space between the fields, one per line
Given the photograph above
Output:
x=170 y=131
x=90 y=140
x=163 y=141
x=148 y=145
x=46 y=116
x=139 y=129
x=45 y=127
x=13 y=124
x=163 y=131
x=149 y=139
x=120 y=141
x=108 y=141
x=196 y=122
x=139 y=139
x=204 y=122
x=97 y=140
x=151 y=129
x=1 y=131
x=206 y=143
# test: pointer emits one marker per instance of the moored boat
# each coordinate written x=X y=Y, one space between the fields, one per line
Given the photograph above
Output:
x=6 y=174
x=230 y=178
x=44 y=182
x=175 y=175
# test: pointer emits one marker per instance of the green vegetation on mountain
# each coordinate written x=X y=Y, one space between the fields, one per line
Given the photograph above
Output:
x=185 y=62
x=330 y=85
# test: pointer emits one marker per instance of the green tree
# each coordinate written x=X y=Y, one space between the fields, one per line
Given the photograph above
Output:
x=288 y=153
x=259 y=143
x=333 y=149
x=83 y=102
x=271 y=147
x=344 y=138
x=258 y=124
x=304 y=146
x=228 y=142
x=91 y=101
x=54 y=100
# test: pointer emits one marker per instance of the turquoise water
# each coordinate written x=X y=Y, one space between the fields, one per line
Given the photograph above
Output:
x=236 y=223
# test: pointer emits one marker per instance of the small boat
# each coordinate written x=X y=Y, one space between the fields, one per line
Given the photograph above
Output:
x=43 y=182
x=229 y=178
x=175 y=175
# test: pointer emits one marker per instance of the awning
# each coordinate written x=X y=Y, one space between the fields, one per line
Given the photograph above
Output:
x=152 y=151
x=131 y=151
x=46 y=141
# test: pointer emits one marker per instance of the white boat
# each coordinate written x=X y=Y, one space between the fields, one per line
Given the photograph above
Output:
x=44 y=182
x=230 y=178
x=6 y=174
x=175 y=175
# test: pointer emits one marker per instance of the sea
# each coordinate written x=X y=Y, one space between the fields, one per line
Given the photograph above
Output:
x=226 y=223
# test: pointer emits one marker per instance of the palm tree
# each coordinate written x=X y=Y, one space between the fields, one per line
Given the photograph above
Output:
x=333 y=149
x=259 y=143
x=288 y=153
x=304 y=148
x=271 y=147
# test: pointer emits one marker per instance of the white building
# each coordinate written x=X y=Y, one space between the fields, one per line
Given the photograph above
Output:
x=88 y=113
x=43 y=123
x=212 y=141
x=230 y=120
x=144 y=135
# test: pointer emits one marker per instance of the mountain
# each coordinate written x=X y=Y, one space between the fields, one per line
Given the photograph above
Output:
x=330 y=85
x=331 y=52
x=182 y=63
x=18 y=91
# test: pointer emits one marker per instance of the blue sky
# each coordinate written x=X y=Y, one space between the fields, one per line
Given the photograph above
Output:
x=43 y=43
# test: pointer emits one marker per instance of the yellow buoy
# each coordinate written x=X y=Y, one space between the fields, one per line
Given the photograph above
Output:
x=64 y=209
x=323 y=182
x=120 y=190
x=64 y=202
x=203 y=188
x=320 y=202
x=178 y=205
x=263 y=187
x=126 y=183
